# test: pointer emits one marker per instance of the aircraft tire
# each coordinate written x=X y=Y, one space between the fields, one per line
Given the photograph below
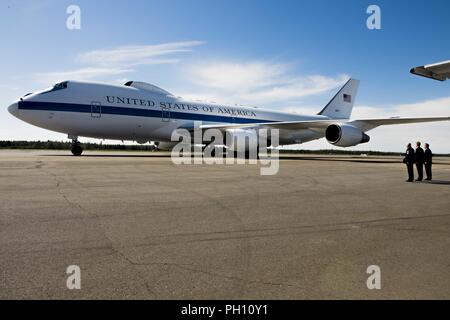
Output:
x=77 y=150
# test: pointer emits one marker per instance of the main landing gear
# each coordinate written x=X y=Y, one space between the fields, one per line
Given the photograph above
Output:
x=76 y=148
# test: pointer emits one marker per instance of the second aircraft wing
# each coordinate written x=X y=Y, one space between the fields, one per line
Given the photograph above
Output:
x=363 y=124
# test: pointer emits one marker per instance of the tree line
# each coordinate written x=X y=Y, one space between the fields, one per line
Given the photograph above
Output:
x=61 y=145
x=64 y=145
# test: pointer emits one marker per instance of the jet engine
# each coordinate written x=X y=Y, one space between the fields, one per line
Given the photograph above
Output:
x=165 y=146
x=142 y=141
x=345 y=135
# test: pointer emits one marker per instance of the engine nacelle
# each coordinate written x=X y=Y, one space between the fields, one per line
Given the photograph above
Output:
x=345 y=135
x=142 y=141
x=241 y=139
x=165 y=146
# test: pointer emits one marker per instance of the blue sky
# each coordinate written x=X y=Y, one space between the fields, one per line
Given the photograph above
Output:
x=287 y=55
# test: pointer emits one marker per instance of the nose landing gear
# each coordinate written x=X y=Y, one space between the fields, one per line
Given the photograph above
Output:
x=76 y=148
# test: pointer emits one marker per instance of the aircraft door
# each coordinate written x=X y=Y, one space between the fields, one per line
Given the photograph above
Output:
x=96 y=109
x=165 y=114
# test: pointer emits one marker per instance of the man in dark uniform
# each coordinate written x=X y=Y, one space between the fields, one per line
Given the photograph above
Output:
x=409 y=161
x=428 y=162
x=420 y=160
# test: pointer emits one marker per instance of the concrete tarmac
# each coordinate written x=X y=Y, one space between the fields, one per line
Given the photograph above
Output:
x=140 y=227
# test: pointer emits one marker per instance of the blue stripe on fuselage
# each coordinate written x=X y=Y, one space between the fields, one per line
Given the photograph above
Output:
x=83 y=108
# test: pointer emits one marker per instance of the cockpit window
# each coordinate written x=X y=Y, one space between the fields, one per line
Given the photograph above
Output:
x=56 y=87
x=60 y=86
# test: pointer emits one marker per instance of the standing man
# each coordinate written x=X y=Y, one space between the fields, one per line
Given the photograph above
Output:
x=420 y=160
x=428 y=162
x=409 y=161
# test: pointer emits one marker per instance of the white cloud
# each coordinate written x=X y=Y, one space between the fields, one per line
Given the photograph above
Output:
x=231 y=76
x=138 y=55
x=258 y=82
x=297 y=88
x=103 y=64
x=303 y=110
x=8 y=87
x=434 y=107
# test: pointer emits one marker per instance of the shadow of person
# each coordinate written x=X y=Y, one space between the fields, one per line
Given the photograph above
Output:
x=442 y=182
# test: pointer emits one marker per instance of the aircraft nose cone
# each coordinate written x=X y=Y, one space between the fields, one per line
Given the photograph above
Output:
x=14 y=109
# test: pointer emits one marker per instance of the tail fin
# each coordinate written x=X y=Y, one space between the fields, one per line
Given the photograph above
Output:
x=341 y=106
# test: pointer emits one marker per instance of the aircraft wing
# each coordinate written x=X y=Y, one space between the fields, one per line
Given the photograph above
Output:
x=288 y=125
x=364 y=124
x=437 y=71
x=369 y=124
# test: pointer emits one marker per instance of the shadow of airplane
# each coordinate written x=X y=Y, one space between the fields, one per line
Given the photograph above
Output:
x=109 y=155
x=346 y=159
x=282 y=158
x=168 y=155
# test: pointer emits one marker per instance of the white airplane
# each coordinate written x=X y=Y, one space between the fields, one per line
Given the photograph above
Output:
x=142 y=112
